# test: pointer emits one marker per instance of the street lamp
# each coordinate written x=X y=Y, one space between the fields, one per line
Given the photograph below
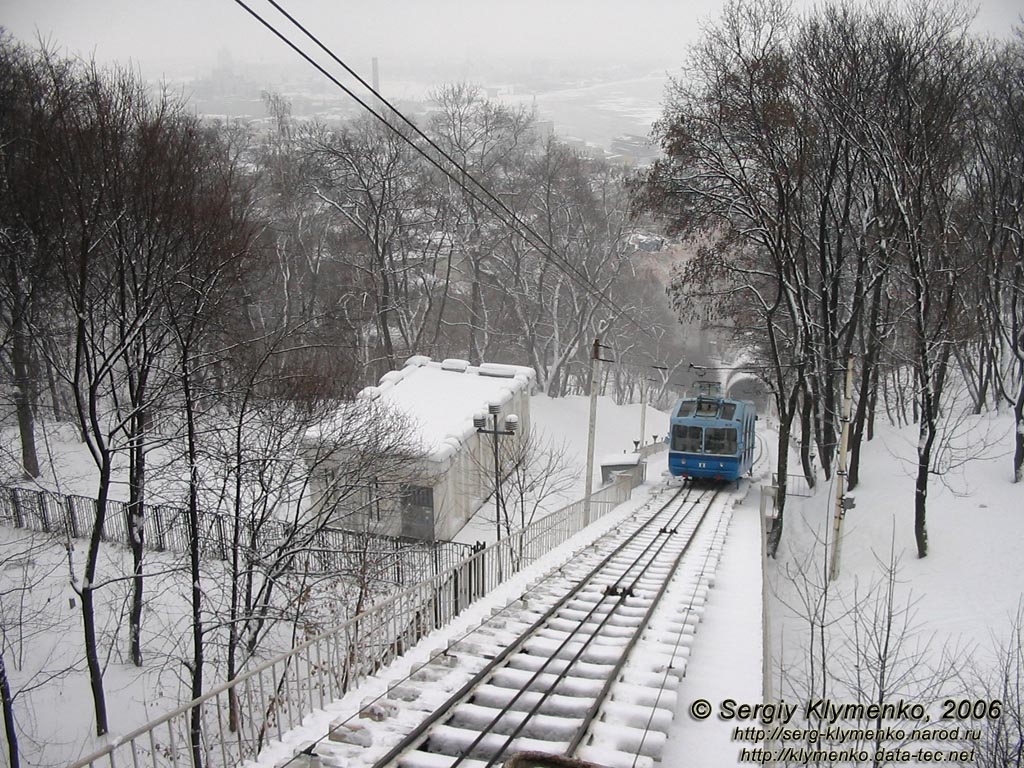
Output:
x=511 y=425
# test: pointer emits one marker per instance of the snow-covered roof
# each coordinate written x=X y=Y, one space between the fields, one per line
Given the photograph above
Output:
x=620 y=459
x=440 y=398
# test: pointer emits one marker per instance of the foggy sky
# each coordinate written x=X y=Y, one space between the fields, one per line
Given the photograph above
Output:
x=166 y=35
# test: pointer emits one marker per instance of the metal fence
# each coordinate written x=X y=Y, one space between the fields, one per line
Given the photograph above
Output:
x=397 y=559
x=239 y=717
x=651 y=448
x=796 y=485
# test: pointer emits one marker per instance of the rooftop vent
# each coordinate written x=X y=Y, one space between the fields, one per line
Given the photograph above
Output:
x=452 y=364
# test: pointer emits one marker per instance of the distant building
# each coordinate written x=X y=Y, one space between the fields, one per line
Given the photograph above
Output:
x=456 y=473
x=642 y=241
x=544 y=129
x=633 y=150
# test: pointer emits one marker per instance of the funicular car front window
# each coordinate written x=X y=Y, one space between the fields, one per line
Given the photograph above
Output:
x=720 y=441
x=686 y=408
x=686 y=439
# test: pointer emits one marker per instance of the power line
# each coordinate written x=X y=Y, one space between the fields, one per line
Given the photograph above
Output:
x=516 y=224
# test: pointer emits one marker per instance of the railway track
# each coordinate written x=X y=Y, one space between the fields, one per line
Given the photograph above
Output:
x=585 y=665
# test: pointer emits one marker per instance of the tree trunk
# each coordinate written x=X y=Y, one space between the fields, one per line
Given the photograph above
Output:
x=20 y=360
x=829 y=443
x=54 y=388
x=136 y=521
x=873 y=401
x=857 y=427
x=807 y=442
x=475 y=310
x=7 y=702
x=92 y=657
x=196 y=721
x=782 y=468
x=927 y=435
x=864 y=416
x=1018 y=443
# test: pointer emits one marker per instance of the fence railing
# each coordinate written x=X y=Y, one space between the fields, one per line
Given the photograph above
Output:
x=796 y=485
x=652 y=448
x=400 y=560
x=238 y=718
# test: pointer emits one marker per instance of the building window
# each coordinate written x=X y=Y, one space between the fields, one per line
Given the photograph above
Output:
x=418 y=496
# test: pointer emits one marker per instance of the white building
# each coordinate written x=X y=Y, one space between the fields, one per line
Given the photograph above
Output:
x=440 y=400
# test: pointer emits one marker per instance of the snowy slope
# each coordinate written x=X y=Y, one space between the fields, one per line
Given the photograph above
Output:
x=965 y=590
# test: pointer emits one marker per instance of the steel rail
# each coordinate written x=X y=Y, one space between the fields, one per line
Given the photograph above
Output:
x=590 y=637
x=675 y=649
x=613 y=677
x=414 y=736
x=420 y=735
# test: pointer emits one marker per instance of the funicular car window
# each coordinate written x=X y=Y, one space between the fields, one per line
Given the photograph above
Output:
x=686 y=439
x=728 y=411
x=687 y=407
x=707 y=408
x=720 y=441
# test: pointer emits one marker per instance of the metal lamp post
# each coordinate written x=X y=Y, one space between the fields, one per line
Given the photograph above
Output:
x=511 y=425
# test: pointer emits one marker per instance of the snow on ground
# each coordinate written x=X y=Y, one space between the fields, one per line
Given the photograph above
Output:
x=953 y=608
x=969 y=585
x=725 y=660
x=966 y=589
x=45 y=634
x=561 y=425
x=42 y=633
x=316 y=726
x=973 y=577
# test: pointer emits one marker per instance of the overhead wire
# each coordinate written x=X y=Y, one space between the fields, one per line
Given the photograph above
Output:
x=513 y=222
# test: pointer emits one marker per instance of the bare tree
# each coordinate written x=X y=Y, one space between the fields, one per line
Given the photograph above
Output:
x=27 y=90
x=538 y=469
x=27 y=626
x=554 y=305
x=995 y=184
x=917 y=151
x=368 y=178
x=734 y=171
x=857 y=644
x=1000 y=743
x=491 y=141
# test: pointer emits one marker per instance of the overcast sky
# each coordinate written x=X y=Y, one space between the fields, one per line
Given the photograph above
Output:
x=158 y=34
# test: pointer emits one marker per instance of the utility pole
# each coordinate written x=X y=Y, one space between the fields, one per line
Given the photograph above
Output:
x=843 y=503
x=595 y=370
x=511 y=425
x=499 y=507
x=643 y=411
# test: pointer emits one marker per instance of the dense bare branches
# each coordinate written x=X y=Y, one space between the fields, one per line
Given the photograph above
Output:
x=198 y=298
x=823 y=163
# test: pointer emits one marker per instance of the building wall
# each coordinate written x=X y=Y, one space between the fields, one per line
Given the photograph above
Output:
x=468 y=480
x=459 y=483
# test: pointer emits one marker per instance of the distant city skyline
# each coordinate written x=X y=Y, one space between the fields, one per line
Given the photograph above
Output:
x=166 y=39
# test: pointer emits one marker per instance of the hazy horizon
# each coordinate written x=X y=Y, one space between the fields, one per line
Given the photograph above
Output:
x=467 y=37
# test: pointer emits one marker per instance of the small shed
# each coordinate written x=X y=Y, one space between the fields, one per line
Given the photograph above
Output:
x=439 y=401
x=623 y=463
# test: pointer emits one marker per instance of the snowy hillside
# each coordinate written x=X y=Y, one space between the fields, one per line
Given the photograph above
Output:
x=42 y=628
x=963 y=595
